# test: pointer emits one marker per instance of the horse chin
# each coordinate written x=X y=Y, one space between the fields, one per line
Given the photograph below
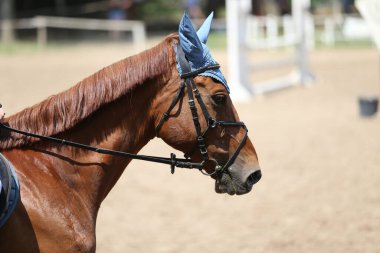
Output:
x=222 y=188
x=225 y=183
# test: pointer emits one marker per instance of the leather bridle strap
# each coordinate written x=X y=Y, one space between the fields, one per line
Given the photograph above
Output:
x=241 y=144
x=191 y=87
x=172 y=161
x=165 y=117
x=194 y=113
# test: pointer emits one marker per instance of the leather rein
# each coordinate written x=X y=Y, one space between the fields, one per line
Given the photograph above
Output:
x=173 y=161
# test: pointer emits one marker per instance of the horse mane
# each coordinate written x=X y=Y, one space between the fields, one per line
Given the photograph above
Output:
x=63 y=111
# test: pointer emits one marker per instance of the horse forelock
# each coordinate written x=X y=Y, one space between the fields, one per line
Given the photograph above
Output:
x=63 y=111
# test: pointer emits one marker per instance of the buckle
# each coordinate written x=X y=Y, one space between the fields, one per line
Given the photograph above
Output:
x=203 y=151
x=173 y=163
x=212 y=122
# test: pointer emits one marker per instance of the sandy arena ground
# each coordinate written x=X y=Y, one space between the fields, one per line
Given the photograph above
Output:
x=320 y=160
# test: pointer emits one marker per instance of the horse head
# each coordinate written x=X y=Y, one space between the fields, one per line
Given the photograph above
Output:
x=195 y=115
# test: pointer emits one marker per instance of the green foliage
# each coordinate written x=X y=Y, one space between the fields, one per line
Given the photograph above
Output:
x=217 y=40
x=354 y=44
x=161 y=10
x=18 y=47
x=318 y=2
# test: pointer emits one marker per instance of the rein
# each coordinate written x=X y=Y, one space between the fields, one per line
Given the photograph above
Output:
x=172 y=161
x=187 y=79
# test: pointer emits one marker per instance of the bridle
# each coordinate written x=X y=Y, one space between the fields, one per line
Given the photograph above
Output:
x=187 y=79
x=173 y=161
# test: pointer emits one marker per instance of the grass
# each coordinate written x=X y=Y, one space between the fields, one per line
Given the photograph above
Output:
x=348 y=44
x=18 y=47
x=30 y=47
x=217 y=40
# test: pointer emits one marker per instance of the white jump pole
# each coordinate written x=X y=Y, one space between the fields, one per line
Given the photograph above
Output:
x=6 y=22
x=370 y=10
x=236 y=63
x=237 y=15
x=299 y=12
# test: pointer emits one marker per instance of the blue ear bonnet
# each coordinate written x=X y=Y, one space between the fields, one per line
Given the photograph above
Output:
x=197 y=53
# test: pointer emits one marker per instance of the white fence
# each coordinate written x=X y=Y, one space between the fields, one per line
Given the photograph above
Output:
x=341 y=28
x=41 y=23
x=246 y=33
x=371 y=13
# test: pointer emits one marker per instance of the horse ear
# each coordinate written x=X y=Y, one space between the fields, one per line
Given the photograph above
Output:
x=188 y=38
x=204 y=30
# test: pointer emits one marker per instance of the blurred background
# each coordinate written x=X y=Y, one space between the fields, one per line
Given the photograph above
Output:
x=305 y=78
x=161 y=16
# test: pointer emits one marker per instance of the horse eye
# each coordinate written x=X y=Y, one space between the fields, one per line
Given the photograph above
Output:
x=219 y=99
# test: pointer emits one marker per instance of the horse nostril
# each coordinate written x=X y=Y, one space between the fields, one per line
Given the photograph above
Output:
x=253 y=178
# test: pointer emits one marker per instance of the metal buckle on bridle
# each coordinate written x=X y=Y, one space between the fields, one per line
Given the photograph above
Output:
x=212 y=122
x=217 y=168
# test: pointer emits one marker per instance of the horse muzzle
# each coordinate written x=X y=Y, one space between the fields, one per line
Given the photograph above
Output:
x=232 y=182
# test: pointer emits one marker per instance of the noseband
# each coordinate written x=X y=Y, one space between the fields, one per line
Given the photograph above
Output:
x=187 y=79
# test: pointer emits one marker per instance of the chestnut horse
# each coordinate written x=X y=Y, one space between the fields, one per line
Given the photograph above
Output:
x=116 y=108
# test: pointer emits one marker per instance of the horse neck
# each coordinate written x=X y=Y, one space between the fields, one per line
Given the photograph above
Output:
x=125 y=124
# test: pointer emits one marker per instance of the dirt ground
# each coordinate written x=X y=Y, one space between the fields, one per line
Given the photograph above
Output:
x=320 y=160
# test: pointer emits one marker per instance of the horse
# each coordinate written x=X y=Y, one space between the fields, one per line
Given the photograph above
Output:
x=117 y=108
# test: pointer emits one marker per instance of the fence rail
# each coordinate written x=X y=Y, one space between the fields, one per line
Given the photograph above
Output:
x=41 y=23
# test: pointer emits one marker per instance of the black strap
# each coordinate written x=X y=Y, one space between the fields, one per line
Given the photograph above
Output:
x=181 y=163
x=198 y=71
x=210 y=121
x=237 y=152
x=166 y=115
x=185 y=66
